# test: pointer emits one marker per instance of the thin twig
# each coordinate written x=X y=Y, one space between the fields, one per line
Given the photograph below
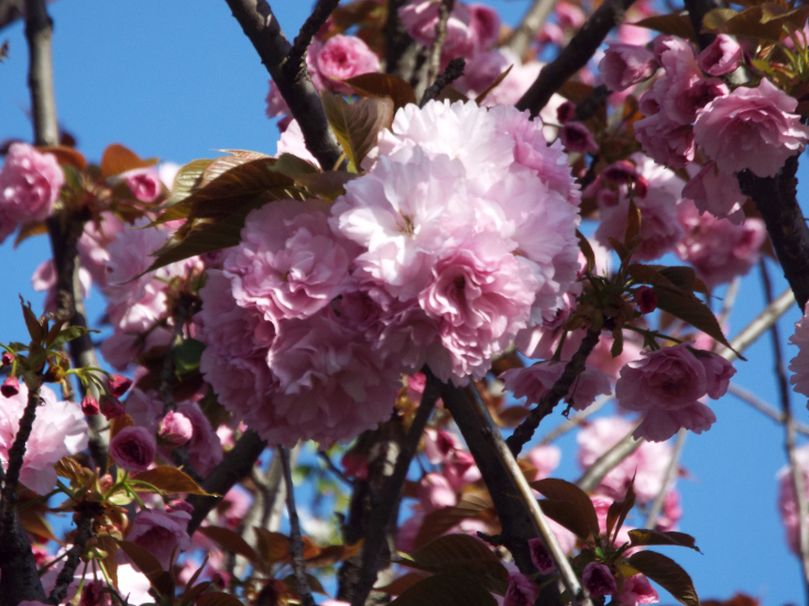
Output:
x=575 y=55
x=525 y=431
x=668 y=479
x=521 y=37
x=608 y=461
x=575 y=421
x=319 y=15
x=382 y=514
x=260 y=25
x=84 y=530
x=453 y=71
x=434 y=58
x=298 y=566
x=332 y=467
x=785 y=397
x=398 y=44
x=763 y=407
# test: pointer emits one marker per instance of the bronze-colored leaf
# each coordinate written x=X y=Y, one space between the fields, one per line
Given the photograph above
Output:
x=171 y=480
x=118 y=159
x=647 y=536
x=144 y=561
x=272 y=546
x=217 y=598
x=357 y=125
x=574 y=504
x=441 y=520
x=668 y=574
x=461 y=553
x=674 y=24
x=495 y=83
x=66 y=155
x=446 y=590
x=230 y=540
x=383 y=85
x=187 y=180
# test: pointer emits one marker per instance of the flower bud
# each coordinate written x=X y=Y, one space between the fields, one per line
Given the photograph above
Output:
x=646 y=299
x=89 y=405
x=119 y=385
x=175 y=429
x=598 y=580
x=133 y=448
x=10 y=387
x=111 y=407
x=7 y=358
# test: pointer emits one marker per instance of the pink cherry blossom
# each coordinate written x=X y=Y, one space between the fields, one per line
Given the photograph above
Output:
x=598 y=580
x=624 y=65
x=718 y=249
x=163 y=533
x=636 y=590
x=666 y=385
x=289 y=265
x=521 y=591
x=721 y=56
x=29 y=185
x=204 y=448
x=716 y=192
x=751 y=129
x=535 y=381
x=799 y=365
x=144 y=183
x=133 y=448
x=175 y=429
x=337 y=59
x=59 y=430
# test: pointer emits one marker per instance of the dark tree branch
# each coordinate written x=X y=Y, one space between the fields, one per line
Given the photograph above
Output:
x=775 y=198
x=16 y=455
x=84 y=530
x=260 y=25
x=535 y=17
x=697 y=9
x=453 y=71
x=294 y=61
x=298 y=566
x=11 y=11
x=525 y=431
x=398 y=44
x=383 y=512
x=235 y=466
x=575 y=55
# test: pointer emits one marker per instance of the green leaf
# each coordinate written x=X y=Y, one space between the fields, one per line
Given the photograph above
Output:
x=675 y=24
x=641 y=536
x=187 y=179
x=667 y=573
x=357 y=125
x=186 y=356
x=230 y=540
x=446 y=590
x=66 y=335
x=566 y=501
x=768 y=21
x=169 y=479
x=383 y=85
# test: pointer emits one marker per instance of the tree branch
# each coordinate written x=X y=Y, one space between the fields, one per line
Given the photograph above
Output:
x=696 y=11
x=668 y=479
x=236 y=464
x=11 y=11
x=298 y=566
x=260 y=25
x=535 y=17
x=320 y=14
x=608 y=461
x=84 y=530
x=775 y=198
x=575 y=55
x=453 y=71
x=763 y=407
x=525 y=431
x=382 y=514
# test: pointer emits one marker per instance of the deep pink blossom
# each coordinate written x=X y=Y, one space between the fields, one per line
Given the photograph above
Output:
x=133 y=448
x=337 y=59
x=624 y=65
x=163 y=533
x=521 y=591
x=752 y=129
x=29 y=185
x=144 y=183
x=535 y=381
x=598 y=580
x=540 y=556
x=204 y=448
x=666 y=386
x=175 y=429
x=636 y=590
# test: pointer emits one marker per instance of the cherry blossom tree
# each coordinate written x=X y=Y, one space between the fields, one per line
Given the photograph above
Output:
x=465 y=229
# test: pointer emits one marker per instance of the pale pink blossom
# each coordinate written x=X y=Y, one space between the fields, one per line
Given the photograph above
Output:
x=204 y=448
x=29 y=185
x=799 y=365
x=289 y=264
x=721 y=56
x=435 y=492
x=59 y=430
x=544 y=459
x=752 y=129
x=787 y=504
x=292 y=142
x=624 y=65
x=666 y=386
x=718 y=249
x=338 y=59
x=647 y=465
x=716 y=192
x=133 y=448
x=163 y=533
x=468 y=29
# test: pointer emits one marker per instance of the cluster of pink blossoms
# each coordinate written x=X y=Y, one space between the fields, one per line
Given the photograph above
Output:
x=459 y=235
x=690 y=109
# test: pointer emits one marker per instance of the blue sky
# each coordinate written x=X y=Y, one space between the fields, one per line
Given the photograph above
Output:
x=178 y=80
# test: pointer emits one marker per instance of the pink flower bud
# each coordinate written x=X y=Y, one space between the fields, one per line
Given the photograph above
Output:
x=646 y=299
x=626 y=64
x=521 y=591
x=7 y=359
x=598 y=579
x=89 y=405
x=133 y=448
x=721 y=56
x=176 y=428
x=540 y=556
x=94 y=594
x=144 y=184
x=576 y=138
x=119 y=385
x=565 y=112
x=10 y=387
x=111 y=407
